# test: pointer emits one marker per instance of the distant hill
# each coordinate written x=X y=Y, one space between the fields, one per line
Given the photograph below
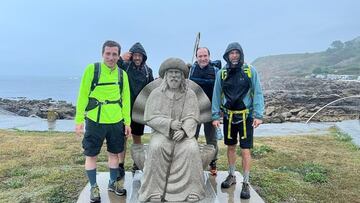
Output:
x=340 y=58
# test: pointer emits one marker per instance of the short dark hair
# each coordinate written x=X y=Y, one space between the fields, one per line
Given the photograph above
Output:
x=202 y=48
x=110 y=43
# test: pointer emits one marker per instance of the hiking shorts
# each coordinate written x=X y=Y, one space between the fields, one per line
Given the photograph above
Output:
x=95 y=134
x=137 y=128
x=237 y=132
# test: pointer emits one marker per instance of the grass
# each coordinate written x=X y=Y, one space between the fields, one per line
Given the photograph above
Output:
x=48 y=167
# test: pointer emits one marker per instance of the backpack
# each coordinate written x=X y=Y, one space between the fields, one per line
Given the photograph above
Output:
x=97 y=72
x=93 y=102
x=247 y=70
x=216 y=64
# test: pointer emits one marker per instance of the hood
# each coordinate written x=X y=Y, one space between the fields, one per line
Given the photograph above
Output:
x=234 y=46
x=138 y=48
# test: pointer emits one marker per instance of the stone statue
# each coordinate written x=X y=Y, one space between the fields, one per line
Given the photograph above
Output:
x=173 y=169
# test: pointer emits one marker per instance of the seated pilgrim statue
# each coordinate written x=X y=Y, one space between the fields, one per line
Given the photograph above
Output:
x=174 y=162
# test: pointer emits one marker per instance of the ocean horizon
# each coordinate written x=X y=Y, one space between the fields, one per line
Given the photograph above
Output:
x=59 y=88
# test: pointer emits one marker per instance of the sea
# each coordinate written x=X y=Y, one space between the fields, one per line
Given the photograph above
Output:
x=60 y=88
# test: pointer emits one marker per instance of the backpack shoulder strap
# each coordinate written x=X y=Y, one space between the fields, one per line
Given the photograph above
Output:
x=247 y=70
x=120 y=82
x=223 y=74
x=120 y=79
x=147 y=73
x=192 y=69
x=97 y=72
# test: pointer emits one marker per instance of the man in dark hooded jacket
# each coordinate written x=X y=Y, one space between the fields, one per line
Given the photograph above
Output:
x=139 y=74
x=238 y=95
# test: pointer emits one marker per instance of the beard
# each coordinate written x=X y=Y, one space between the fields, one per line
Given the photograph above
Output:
x=235 y=62
x=174 y=83
x=137 y=62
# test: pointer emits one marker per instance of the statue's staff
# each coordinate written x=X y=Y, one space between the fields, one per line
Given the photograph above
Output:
x=173 y=148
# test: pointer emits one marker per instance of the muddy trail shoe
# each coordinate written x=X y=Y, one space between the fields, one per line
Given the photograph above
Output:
x=94 y=194
x=213 y=168
x=134 y=168
x=230 y=180
x=117 y=187
x=121 y=171
x=245 y=191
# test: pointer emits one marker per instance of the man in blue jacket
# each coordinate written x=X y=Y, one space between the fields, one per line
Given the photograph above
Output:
x=238 y=95
x=203 y=73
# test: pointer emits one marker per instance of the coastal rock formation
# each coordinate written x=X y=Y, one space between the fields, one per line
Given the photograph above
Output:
x=38 y=108
x=286 y=100
x=297 y=99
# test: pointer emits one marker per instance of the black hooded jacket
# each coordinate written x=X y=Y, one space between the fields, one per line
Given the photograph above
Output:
x=139 y=77
x=236 y=84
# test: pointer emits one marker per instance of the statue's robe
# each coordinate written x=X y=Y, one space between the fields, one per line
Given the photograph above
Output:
x=186 y=173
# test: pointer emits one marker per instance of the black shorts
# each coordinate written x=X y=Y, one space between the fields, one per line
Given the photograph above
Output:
x=137 y=128
x=237 y=131
x=95 y=133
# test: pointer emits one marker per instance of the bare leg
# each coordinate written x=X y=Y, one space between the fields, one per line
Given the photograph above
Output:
x=90 y=162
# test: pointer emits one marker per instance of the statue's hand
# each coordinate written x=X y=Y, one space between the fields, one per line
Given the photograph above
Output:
x=175 y=125
x=178 y=135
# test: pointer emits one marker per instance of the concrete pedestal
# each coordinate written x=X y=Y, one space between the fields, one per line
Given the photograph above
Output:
x=214 y=193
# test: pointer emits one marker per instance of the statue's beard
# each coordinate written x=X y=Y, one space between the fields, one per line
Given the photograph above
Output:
x=174 y=83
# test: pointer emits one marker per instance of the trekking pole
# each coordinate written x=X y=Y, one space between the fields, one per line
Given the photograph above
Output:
x=196 y=46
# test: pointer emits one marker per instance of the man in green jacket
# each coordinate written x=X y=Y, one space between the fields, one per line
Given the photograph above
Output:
x=104 y=105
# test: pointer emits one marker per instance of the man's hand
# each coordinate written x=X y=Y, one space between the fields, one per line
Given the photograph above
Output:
x=79 y=129
x=175 y=125
x=256 y=122
x=126 y=56
x=127 y=131
x=178 y=135
x=216 y=123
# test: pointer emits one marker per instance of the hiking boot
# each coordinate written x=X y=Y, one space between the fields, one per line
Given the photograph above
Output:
x=117 y=187
x=121 y=171
x=213 y=169
x=134 y=168
x=230 y=180
x=94 y=194
x=245 y=191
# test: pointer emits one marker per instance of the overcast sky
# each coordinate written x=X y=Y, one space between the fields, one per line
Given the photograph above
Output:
x=60 y=37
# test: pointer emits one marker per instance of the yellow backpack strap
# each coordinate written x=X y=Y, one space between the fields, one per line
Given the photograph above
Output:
x=247 y=70
x=223 y=74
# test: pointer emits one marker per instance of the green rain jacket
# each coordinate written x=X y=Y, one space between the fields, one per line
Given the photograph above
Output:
x=110 y=113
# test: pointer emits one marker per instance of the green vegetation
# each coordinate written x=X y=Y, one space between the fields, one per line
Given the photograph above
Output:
x=48 y=167
x=340 y=58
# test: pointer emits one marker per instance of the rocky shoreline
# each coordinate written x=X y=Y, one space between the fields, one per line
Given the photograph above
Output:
x=286 y=100
x=297 y=99
x=46 y=108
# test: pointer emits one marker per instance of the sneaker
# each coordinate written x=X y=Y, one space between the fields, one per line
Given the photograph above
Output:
x=94 y=194
x=213 y=169
x=121 y=171
x=245 y=191
x=134 y=168
x=230 y=180
x=117 y=187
